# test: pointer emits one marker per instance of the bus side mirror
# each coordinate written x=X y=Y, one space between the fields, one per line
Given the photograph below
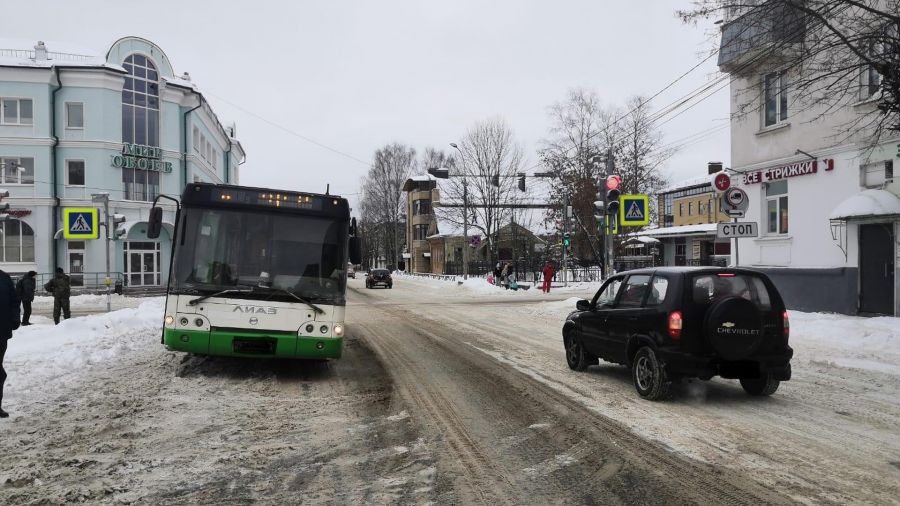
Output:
x=155 y=223
x=355 y=251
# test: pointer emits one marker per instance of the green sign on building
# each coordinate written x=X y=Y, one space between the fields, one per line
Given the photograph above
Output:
x=136 y=156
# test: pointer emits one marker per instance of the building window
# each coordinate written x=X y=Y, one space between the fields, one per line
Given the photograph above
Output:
x=18 y=241
x=140 y=102
x=16 y=111
x=17 y=170
x=681 y=209
x=775 y=94
x=140 y=185
x=420 y=232
x=75 y=172
x=196 y=139
x=421 y=207
x=74 y=115
x=777 y=207
x=690 y=208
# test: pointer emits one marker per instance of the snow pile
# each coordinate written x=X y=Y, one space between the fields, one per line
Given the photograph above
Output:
x=41 y=352
x=557 y=309
x=847 y=341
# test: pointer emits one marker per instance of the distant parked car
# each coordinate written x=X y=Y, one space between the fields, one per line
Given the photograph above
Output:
x=379 y=277
x=672 y=323
x=351 y=273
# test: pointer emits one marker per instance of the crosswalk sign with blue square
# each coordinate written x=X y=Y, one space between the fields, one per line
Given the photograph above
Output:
x=81 y=223
x=634 y=210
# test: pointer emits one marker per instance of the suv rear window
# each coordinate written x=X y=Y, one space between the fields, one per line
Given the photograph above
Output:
x=708 y=288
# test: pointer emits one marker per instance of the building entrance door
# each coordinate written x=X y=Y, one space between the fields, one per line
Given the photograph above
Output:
x=142 y=263
x=876 y=269
x=76 y=263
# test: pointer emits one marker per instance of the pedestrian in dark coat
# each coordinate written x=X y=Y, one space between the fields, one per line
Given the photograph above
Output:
x=25 y=289
x=9 y=321
x=61 y=288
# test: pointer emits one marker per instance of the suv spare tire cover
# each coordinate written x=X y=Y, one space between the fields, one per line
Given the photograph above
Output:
x=734 y=327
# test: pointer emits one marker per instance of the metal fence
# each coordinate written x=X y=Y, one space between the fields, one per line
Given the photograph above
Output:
x=83 y=282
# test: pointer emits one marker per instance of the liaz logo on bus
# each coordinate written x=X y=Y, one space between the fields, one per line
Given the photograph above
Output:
x=255 y=309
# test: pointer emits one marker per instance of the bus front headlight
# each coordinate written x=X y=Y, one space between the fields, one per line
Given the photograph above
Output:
x=338 y=330
x=170 y=319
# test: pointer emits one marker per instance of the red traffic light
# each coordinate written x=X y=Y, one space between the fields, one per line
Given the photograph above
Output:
x=613 y=182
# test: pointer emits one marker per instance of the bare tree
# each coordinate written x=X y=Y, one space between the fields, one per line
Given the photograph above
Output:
x=641 y=153
x=581 y=128
x=489 y=154
x=836 y=52
x=383 y=202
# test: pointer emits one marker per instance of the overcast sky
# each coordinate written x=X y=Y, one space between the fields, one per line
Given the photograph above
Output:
x=354 y=75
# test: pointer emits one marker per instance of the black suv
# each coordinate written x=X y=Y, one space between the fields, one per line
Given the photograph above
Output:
x=679 y=322
x=379 y=277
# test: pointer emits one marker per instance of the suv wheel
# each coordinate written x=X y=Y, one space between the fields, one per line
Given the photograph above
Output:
x=649 y=375
x=766 y=385
x=576 y=356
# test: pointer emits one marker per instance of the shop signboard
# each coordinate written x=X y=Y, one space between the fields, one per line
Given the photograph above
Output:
x=136 y=156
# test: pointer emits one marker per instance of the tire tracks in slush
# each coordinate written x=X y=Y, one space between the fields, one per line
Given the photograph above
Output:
x=477 y=403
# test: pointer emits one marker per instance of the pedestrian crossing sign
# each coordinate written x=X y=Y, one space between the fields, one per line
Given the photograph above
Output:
x=81 y=223
x=634 y=210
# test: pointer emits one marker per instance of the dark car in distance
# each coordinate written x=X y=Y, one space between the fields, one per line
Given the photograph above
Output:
x=379 y=277
x=670 y=323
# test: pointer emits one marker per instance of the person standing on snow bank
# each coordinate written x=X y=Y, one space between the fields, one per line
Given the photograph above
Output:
x=549 y=272
x=60 y=286
x=25 y=289
x=9 y=321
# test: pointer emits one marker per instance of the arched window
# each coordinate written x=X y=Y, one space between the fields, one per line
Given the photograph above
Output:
x=140 y=102
x=140 y=124
x=18 y=241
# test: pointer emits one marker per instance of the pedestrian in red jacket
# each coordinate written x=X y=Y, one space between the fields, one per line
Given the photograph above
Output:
x=549 y=271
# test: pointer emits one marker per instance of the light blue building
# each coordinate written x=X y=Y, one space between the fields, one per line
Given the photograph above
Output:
x=75 y=124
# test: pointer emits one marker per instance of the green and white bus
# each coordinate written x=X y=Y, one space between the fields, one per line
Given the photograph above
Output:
x=257 y=272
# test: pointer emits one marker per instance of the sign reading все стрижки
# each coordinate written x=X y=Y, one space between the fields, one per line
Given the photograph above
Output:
x=136 y=156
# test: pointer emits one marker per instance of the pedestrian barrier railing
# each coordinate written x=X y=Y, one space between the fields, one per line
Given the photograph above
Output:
x=95 y=283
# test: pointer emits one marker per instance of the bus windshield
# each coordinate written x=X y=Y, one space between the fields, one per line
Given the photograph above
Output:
x=272 y=253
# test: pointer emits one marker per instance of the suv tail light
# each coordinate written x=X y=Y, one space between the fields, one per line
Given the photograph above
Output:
x=787 y=324
x=675 y=325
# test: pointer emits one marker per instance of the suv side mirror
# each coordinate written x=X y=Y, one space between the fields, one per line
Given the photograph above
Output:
x=355 y=251
x=583 y=305
x=155 y=222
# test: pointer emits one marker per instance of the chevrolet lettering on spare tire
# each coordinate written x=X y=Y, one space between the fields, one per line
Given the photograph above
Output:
x=673 y=323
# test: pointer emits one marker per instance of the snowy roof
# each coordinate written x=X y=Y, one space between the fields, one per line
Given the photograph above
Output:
x=687 y=183
x=21 y=53
x=681 y=230
x=643 y=239
x=867 y=203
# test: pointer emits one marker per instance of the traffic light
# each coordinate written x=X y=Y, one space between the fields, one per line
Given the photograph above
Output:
x=566 y=240
x=495 y=180
x=522 y=181
x=613 y=190
x=118 y=219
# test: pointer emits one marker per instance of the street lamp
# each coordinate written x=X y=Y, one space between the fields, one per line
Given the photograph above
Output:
x=103 y=197
x=465 y=216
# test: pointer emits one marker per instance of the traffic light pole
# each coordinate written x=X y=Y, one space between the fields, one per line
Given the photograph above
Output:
x=565 y=249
